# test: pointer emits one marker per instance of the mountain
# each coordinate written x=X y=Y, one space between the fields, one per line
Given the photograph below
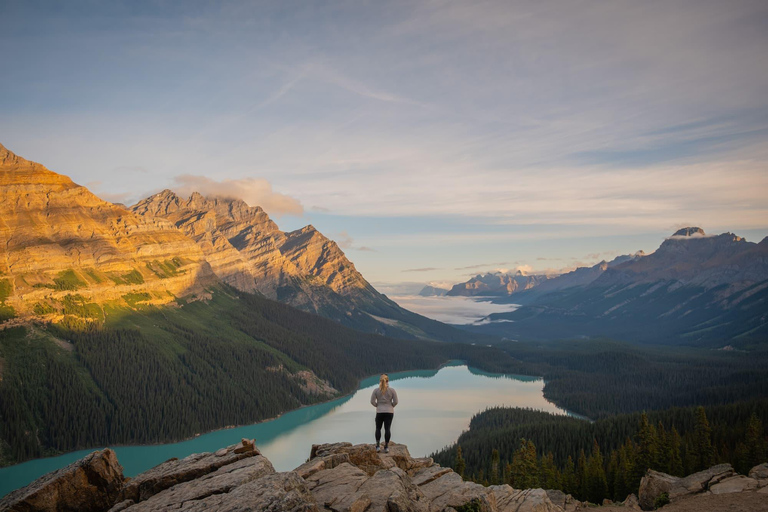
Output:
x=581 y=276
x=497 y=284
x=302 y=268
x=433 y=291
x=695 y=289
x=61 y=246
x=116 y=329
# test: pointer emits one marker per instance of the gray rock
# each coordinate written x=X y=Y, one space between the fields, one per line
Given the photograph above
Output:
x=391 y=489
x=759 y=472
x=329 y=461
x=122 y=506
x=335 y=488
x=220 y=482
x=176 y=471
x=737 y=483
x=632 y=502
x=527 y=500
x=429 y=474
x=655 y=483
x=92 y=483
x=277 y=492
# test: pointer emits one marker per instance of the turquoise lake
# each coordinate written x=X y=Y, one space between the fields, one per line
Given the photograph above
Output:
x=435 y=407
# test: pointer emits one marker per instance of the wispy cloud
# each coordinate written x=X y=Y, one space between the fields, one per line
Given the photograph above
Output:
x=424 y=269
x=254 y=191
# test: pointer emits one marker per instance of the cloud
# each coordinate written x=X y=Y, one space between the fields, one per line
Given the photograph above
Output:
x=480 y=265
x=425 y=269
x=346 y=242
x=254 y=191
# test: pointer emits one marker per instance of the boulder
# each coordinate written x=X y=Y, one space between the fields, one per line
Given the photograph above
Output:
x=335 y=488
x=220 y=482
x=654 y=483
x=176 y=471
x=736 y=483
x=632 y=502
x=92 y=483
x=759 y=472
x=277 y=492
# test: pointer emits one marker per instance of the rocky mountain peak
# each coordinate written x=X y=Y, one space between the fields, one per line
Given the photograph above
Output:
x=690 y=231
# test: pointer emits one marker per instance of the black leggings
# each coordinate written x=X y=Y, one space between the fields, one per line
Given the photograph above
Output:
x=384 y=418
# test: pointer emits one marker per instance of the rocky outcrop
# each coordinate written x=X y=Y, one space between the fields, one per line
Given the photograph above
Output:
x=58 y=239
x=91 y=484
x=720 y=479
x=337 y=477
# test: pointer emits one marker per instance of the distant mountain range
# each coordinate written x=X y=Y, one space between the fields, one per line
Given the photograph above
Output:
x=59 y=238
x=497 y=284
x=694 y=289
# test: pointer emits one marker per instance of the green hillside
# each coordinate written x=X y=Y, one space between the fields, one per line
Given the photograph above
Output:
x=150 y=374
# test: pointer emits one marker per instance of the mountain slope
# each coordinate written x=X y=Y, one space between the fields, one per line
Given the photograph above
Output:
x=302 y=268
x=58 y=240
x=695 y=290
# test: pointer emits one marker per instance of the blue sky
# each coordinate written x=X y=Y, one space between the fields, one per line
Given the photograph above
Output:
x=432 y=139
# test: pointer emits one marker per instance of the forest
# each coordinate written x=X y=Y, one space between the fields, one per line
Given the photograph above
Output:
x=155 y=374
x=600 y=378
x=608 y=457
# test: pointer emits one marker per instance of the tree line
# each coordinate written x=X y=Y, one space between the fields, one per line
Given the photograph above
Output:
x=607 y=458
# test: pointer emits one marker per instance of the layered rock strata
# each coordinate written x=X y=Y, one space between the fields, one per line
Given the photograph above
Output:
x=58 y=239
x=247 y=250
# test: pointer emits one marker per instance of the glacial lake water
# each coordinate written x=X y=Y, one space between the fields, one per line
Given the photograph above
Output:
x=435 y=407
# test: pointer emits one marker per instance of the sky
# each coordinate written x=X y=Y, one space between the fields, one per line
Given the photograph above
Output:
x=433 y=140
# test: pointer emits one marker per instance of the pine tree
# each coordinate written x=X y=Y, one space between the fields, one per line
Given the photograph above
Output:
x=569 y=477
x=753 y=450
x=702 y=452
x=664 y=451
x=647 y=448
x=549 y=477
x=581 y=476
x=675 y=459
x=525 y=467
x=597 y=485
x=460 y=466
x=495 y=467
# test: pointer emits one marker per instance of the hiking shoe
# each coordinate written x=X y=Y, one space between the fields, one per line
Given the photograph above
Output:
x=378 y=448
x=386 y=449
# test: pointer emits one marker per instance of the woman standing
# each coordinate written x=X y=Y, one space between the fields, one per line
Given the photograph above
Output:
x=384 y=399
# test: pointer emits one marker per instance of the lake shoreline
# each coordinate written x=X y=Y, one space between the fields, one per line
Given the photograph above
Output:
x=230 y=427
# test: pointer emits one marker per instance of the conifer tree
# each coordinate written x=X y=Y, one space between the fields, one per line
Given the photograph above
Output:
x=569 y=477
x=597 y=485
x=664 y=451
x=549 y=477
x=495 y=467
x=460 y=465
x=581 y=476
x=702 y=452
x=647 y=448
x=525 y=467
x=675 y=465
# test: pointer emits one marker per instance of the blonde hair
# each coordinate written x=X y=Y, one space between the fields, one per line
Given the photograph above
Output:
x=383 y=382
